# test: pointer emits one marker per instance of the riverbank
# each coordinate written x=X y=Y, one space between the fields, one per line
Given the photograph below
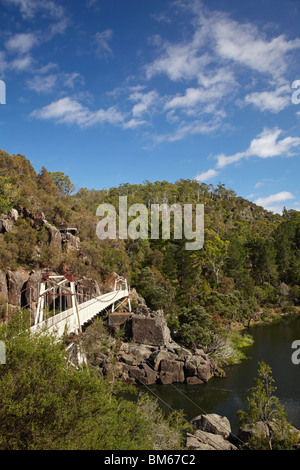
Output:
x=237 y=338
x=225 y=396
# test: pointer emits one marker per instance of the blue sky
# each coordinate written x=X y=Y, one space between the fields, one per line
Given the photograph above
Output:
x=116 y=91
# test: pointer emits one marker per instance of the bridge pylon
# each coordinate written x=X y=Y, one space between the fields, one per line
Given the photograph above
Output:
x=121 y=284
x=55 y=286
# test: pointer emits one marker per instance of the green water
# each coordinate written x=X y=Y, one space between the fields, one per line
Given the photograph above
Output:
x=225 y=396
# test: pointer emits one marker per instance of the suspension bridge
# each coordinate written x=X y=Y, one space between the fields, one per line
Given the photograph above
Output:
x=72 y=319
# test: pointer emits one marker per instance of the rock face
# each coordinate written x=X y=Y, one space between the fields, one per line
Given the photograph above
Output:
x=31 y=289
x=212 y=432
x=149 y=330
x=66 y=241
x=3 y=286
x=15 y=284
x=54 y=235
x=87 y=287
x=7 y=220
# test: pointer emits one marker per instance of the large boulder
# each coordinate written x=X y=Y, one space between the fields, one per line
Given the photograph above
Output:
x=212 y=423
x=149 y=330
x=203 y=440
x=5 y=224
x=171 y=371
x=264 y=430
x=212 y=432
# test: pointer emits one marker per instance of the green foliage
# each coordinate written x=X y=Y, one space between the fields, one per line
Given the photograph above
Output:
x=6 y=194
x=62 y=182
x=46 y=404
x=266 y=416
x=195 y=327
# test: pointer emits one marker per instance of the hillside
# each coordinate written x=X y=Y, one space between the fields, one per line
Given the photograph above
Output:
x=247 y=270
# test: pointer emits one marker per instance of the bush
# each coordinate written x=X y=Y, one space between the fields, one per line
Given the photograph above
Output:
x=46 y=404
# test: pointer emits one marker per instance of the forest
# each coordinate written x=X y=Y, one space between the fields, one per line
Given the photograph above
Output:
x=248 y=269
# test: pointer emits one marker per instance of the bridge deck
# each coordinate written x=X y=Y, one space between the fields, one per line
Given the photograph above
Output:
x=67 y=321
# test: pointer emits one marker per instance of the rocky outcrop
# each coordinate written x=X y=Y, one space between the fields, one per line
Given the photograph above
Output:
x=54 y=236
x=212 y=423
x=3 y=287
x=61 y=240
x=212 y=432
x=71 y=242
x=15 y=283
x=31 y=288
x=264 y=431
x=87 y=287
x=149 y=355
x=7 y=220
x=151 y=330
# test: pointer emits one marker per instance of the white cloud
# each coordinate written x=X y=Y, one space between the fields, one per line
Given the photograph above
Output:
x=244 y=44
x=178 y=62
x=21 y=43
x=144 y=101
x=133 y=123
x=225 y=39
x=265 y=145
x=208 y=62
x=274 y=202
x=29 y=8
x=274 y=101
x=274 y=198
x=207 y=175
x=42 y=83
x=70 y=111
x=185 y=129
x=21 y=64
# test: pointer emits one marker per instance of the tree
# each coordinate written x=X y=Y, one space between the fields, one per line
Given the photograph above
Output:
x=266 y=416
x=6 y=194
x=62 y=182
x=45 y=182
x=216 y=253
x=195 y=329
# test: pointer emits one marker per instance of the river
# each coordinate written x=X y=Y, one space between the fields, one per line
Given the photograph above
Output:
x=225 y=396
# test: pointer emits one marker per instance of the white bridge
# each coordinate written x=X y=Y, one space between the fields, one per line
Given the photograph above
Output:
x=72 y=319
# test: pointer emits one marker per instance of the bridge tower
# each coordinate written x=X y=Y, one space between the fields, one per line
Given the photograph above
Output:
x=53 y=286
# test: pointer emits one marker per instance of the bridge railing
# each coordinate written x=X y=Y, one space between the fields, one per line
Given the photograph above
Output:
x=72 y=319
